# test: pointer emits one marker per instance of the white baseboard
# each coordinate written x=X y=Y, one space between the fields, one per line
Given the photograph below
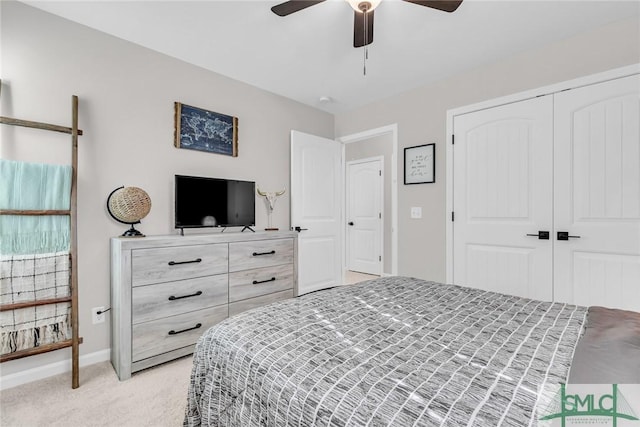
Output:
x=51 y=369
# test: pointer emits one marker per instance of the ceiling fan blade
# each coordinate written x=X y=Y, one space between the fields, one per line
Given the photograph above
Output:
x=359 y=26
x=444 y=5
x=289 y=7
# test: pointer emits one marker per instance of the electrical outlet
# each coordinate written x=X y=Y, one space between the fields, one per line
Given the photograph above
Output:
x=416 y=212
x=97 y=318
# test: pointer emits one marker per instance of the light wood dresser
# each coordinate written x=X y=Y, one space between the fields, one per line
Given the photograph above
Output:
x=166 y=291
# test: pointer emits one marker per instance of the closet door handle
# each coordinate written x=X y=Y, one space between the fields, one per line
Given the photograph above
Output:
x=542 y=235
x=173 y=297
x=172 y=332
x=257 y=282
x=185 y=262
x=564 y=235
x=264 y=253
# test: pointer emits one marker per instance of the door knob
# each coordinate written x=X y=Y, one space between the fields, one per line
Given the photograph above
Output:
x=564 y=235
x=350 y=223
x=298 y=229
x=542 y=235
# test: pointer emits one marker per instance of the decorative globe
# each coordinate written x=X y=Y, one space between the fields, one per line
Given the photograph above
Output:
x=129 y=205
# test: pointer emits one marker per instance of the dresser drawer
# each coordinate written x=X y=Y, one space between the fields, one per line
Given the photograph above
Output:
x=170 y=333
x=261 y=253
x=157 y=265
x=260 y=281
x=168 y=299
x=248 y=304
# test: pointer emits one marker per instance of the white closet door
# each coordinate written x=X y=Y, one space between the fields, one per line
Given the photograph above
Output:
x=503 y=184
x=597 y=194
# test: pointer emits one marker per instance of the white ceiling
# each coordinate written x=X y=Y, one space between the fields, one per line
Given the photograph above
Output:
x=310 y=54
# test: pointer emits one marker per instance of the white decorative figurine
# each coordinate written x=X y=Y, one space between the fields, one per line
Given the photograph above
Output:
x=270 y=198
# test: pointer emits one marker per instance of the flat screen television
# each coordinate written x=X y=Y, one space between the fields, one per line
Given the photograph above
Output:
x=214 y=202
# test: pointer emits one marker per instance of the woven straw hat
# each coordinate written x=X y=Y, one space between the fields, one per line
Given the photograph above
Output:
x=129 y=204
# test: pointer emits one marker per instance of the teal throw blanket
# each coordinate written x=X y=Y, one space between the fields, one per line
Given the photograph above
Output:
x=34 y=186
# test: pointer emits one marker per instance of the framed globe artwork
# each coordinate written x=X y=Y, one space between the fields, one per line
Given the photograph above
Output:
x=203 y=130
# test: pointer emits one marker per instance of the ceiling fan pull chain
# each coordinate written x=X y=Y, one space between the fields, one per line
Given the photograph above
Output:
x=364 y=68
x=366 y=56
x=366 y=47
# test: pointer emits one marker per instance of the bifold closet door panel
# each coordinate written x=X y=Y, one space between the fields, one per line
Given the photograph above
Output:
x=503 y=178
x=597 y=194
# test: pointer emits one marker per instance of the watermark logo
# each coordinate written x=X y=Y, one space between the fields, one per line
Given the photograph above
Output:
x=588 y=404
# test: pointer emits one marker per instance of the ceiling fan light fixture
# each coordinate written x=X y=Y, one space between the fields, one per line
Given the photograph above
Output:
x=363 y=5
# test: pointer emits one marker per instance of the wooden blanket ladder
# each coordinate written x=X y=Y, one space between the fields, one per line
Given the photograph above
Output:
x=75 y=340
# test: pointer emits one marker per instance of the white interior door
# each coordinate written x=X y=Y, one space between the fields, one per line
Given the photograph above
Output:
x=503 y=182
x=316 y=197
x=364 y=215
x=597 y=194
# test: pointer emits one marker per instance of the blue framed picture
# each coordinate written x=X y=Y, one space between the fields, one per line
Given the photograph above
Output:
x=198 y=129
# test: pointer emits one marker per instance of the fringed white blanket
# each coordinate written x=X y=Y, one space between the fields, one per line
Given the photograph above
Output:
x=34 y=278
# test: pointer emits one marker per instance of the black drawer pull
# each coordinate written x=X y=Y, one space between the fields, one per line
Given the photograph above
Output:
x=256 y=282
x=172 y=332
x=173 y=297
x=263 y=253
x=185 y=262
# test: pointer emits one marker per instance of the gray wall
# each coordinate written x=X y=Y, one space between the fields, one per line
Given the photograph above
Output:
x=378 y=146
x=126 y=112
x=421 y=118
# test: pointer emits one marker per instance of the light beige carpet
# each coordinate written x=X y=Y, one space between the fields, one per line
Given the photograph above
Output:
x=154 y=397
x=352 y=277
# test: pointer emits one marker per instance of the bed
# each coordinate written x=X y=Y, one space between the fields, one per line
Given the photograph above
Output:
x=400 y=352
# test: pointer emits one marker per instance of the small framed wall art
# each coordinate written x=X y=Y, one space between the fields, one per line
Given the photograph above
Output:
x=420 y=164
x=198 y=129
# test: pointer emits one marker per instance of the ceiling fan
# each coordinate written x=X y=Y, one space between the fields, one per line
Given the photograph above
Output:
x=363 y=13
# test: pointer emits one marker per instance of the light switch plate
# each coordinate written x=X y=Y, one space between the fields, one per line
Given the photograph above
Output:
x=416 y=212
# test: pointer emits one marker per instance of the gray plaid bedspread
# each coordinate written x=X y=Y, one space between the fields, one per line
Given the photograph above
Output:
x=390 y=352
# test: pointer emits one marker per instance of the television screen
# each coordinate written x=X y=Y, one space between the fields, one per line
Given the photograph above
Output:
x=214 y=202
